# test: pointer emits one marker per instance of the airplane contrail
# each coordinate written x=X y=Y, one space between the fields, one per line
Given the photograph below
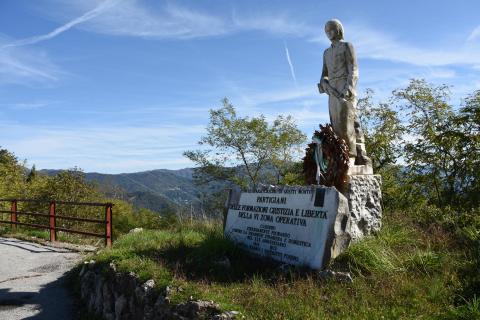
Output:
x=292 y=70
x=85 y=17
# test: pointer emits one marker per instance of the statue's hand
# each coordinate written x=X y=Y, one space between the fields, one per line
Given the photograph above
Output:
x=320 y=88
x=323 y=87
x=345 y=93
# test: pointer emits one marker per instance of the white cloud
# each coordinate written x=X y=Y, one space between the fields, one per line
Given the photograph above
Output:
x=103 y=6
x=475 y=34
x=309 y=117
x=372 y=44
x=102 y=149
x=307 y=107
x=136 y=18
x=133 y=18
x=440 y=73
x=256 y=99
x=26 y=66
x=26 y=105
x=280 y=24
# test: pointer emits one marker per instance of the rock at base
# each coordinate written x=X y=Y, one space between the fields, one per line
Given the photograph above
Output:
x=122 y=296
x=365 y=202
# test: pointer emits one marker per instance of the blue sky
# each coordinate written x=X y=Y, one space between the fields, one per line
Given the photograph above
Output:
x=125 y=85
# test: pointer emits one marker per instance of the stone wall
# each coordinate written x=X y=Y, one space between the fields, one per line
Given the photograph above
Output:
x=122 y=296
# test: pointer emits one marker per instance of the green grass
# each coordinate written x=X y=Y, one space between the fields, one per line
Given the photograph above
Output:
x=406 y=271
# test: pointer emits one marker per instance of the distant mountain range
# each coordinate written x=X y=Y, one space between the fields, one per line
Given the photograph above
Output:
x=155 y=189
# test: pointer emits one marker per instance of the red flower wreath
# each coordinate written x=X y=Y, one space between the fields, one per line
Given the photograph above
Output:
x=335 y=152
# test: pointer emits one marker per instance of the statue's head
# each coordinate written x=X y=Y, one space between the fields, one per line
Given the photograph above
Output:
x=334 y=30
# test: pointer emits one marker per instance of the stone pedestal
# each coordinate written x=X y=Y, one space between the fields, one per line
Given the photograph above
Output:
x=305 y=226
x=355 y=169
x=365 y=203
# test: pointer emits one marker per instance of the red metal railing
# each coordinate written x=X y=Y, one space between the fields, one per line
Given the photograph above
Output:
x=53 y=216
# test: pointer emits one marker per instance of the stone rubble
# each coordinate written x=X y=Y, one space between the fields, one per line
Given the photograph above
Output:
x=122 y=296
x=343 y=277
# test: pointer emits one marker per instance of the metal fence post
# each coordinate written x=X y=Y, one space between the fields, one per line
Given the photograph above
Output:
x=13 y=214
x=108 y=225
x=53 y=222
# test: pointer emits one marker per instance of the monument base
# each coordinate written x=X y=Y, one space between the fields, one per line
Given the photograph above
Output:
x=302 y=225
x=365 y=204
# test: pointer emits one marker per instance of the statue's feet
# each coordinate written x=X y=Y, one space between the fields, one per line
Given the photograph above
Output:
x=363 y=160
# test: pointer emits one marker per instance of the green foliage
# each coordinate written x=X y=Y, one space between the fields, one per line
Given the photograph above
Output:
x=32 y=175
x=212 y=202
x=383 y=131
x=467 y=135
x=442 y=151
x=11 y=174
x=438 y=186
x=70 y=185
x=126 y=217
x=286 y=144
x=397 y=248
x=439 y=144
x=469 y=310
x=248 y=142
x=294 y=175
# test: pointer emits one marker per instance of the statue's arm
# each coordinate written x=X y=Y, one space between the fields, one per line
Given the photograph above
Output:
x=352 y=68
x=324 y=77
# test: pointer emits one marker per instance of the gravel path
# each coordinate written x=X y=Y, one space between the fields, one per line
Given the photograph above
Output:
x=31 y=280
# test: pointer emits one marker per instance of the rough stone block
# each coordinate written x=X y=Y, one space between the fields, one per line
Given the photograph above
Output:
x=364 y=196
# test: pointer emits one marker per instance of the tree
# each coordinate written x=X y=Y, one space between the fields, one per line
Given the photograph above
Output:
x=243 y=149
x=32 y=175
x=70 y=185
x=441 y=145
x=286 y=143
x=467 y=134
x=12 y=175
x=383 y=131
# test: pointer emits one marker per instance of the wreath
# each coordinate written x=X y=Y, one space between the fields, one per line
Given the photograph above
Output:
x=326 y=159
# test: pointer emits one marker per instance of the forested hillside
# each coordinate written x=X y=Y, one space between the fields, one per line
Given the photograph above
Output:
x=155 y=189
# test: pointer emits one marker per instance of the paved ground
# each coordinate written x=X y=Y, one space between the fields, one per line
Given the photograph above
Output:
x=31 y=281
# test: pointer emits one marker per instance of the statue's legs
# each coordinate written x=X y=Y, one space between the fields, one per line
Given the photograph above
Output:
x=346 y=125
x=342 y=118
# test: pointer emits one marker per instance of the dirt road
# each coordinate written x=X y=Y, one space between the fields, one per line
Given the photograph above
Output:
x=31 y=281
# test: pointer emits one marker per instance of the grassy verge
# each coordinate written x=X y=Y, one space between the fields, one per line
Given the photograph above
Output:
x=407 y=271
